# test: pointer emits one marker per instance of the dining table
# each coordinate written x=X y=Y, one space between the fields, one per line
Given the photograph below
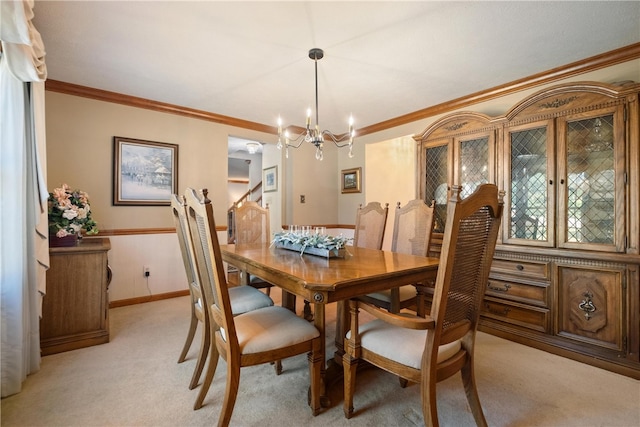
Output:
x=323 y=280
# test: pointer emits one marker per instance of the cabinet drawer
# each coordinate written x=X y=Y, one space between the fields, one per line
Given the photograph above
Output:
x=536 y=318
x=532 y=269
x=536 y=294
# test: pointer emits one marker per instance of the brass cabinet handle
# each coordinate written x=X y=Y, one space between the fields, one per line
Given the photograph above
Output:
x=504 y=288
x=587 y=305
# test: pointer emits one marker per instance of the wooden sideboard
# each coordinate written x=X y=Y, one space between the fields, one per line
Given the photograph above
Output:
x=75 y=309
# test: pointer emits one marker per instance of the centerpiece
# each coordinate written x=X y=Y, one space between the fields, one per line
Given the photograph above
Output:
x=313 y=244
x=69 y=213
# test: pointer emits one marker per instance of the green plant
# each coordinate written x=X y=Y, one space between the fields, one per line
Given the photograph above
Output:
x=309 y=240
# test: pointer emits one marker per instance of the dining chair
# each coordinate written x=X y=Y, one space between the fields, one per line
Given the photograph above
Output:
x=244 y=298
x=412 y=228
x=371 y=221
x=431 y=349
x=260 y=336
x=252 y=226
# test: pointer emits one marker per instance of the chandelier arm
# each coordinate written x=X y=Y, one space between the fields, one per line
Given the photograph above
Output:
x=339 y=140
x=297 y=141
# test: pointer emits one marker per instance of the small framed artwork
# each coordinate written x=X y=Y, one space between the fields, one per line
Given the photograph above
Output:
x=351 y=180
x=270 y=179
x=145 y=173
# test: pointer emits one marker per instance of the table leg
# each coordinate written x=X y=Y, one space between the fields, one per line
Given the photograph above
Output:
x=319 y=322
x=342 y=324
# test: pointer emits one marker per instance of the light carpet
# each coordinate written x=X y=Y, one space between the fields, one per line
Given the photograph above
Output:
x=135 y=381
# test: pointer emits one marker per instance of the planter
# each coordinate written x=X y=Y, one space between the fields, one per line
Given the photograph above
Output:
x=61 y=242
x=326 y=253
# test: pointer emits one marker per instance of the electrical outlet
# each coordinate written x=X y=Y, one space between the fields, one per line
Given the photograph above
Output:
x=145 y=271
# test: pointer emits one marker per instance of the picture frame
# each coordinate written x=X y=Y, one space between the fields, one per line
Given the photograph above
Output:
x=145 y=173
x=351 y=182
x=270 y=179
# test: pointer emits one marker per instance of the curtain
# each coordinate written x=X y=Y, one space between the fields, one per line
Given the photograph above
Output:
x=24 y=255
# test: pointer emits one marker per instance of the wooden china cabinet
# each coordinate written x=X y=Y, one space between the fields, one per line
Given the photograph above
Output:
x=75 y=309
x=565 y=276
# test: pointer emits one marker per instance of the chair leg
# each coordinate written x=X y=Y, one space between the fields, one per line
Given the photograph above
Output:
x=403 y=382
x=202 y=358
x=469 y=382
x=190 y=335
x=208 y=378
x=278 y=366
x=429 y=406
x=231 y=392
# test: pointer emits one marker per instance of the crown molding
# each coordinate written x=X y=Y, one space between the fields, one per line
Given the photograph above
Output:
x=593 y=63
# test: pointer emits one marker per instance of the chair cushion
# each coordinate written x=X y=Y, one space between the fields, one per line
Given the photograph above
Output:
x=400 y=344
x=270 y=328
x=406 y=293
x=246 y=298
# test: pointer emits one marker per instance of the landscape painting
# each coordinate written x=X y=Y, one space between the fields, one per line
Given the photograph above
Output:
x=145 y=172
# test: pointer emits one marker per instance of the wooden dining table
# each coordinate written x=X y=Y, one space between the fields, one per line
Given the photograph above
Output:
x=321 y=280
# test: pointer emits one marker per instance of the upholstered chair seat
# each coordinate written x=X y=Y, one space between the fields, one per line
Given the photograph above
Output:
x=271 y=328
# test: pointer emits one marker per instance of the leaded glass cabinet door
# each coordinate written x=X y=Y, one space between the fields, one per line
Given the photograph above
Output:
x=438 y=171
x=473 y=167
x=529 y=160
x=591 y=188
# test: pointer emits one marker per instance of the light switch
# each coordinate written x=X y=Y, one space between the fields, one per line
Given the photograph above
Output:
x=302 y=199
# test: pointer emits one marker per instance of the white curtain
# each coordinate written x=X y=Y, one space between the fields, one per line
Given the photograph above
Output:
x=24 y=254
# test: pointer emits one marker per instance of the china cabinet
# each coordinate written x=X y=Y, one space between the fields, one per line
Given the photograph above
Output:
x=565 y=273
x=75 y=309
x=460 y=149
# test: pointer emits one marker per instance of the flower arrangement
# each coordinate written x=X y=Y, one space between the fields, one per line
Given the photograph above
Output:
x=309 y=240
x=69 y=212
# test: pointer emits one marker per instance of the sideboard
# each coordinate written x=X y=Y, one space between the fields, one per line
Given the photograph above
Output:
x=75 y=308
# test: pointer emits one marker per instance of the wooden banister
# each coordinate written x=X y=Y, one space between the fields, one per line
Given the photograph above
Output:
x=231 y=220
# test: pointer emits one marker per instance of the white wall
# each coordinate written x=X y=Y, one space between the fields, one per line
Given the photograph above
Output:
x=131 y=253
x=390 y=176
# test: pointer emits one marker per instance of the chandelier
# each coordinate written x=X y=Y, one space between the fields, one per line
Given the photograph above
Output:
x=314 y=135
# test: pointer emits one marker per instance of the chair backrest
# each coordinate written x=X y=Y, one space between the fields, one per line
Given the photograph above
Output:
x=371 y=221
x=178 y=210
x=467 y=251
x=252 y=223
x=209 y=263
x=412 y=228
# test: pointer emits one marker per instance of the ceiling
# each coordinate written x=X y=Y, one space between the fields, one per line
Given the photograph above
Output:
x=382 y=60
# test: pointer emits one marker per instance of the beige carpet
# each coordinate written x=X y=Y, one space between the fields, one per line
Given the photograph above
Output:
x=135 y=381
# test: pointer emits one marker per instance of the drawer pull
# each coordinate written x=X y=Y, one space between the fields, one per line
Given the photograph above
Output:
x=520 y=267
x=505 y=288
x=502 y=312
x=587 y=305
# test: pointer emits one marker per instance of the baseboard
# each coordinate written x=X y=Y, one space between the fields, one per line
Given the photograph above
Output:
x=148 y=298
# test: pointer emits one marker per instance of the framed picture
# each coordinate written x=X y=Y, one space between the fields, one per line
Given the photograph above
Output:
x=351 y=180
x=145 y=173
x=270 y=179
